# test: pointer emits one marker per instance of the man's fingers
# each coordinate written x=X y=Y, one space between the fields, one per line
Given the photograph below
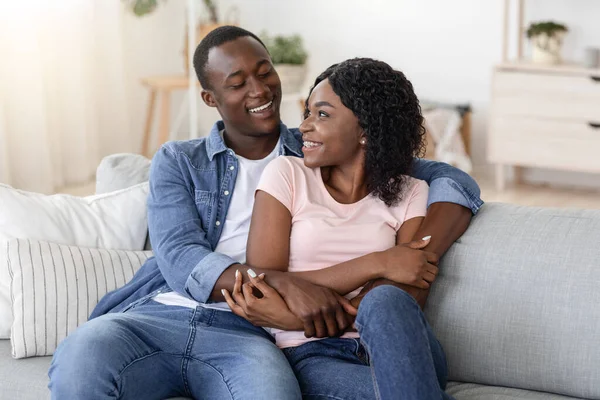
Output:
x=309 y=327
x=320 y=326
x=420 y=243
x=331 y=323
x=341 y=318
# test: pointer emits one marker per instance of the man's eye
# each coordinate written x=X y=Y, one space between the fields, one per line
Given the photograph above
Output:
x=238 y=85
x=264 y=75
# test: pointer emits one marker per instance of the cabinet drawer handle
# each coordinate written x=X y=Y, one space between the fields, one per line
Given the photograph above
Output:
x=595 y=78
x=594 y=125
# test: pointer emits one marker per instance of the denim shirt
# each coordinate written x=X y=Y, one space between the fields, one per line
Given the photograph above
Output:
x=191 y=184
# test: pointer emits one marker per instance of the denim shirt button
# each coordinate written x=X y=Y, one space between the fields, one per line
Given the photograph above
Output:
x=226 y=193
x=231 y=168
x=218 y=223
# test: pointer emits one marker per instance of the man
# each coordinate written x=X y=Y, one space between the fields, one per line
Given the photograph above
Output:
x=167 y=332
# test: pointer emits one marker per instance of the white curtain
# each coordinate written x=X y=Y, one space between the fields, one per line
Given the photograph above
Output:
x=63 y=99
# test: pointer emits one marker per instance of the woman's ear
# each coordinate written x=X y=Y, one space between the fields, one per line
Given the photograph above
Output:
x=362 y=138
x=209 y=98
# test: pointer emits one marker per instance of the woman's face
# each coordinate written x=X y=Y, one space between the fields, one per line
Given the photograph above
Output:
x=330 y=132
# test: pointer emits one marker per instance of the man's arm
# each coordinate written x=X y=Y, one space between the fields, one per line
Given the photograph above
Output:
x=179 y=240
x=448 y=184
x=453 y=200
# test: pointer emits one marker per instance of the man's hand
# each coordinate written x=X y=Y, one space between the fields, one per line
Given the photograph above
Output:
x=323 y=312
x=409 y=264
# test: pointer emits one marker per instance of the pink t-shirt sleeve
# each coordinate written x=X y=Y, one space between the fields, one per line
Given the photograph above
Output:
x=277 y=180
x=417 y=200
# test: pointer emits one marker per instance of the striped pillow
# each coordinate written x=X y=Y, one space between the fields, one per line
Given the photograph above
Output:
x=55 y=287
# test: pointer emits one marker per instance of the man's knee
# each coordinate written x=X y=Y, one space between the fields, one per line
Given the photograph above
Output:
x=83 y=358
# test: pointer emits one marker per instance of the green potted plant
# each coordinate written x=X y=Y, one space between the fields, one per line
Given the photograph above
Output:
x=289 y=56
x=546 y=39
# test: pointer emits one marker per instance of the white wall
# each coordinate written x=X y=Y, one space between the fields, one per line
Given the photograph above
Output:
x=446 y=48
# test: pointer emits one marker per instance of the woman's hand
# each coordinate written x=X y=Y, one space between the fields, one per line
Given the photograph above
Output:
x=270 y=310
x=410 y=265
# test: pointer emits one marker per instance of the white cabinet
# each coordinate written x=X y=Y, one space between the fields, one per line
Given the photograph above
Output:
x=544 y=117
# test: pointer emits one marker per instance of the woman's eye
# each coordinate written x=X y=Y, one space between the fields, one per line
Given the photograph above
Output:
x=323 y=114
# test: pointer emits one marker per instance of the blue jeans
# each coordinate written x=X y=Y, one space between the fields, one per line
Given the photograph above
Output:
x=397 y=356
x=155 y=351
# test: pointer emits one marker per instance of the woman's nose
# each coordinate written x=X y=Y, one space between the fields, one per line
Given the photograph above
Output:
x=305 y=126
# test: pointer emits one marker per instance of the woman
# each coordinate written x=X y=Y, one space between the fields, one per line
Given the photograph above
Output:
x=350 y=196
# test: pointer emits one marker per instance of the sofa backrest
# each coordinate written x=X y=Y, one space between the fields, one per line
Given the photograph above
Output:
x=517 y=301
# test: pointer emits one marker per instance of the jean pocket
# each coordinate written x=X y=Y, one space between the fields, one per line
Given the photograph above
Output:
x=140 y=301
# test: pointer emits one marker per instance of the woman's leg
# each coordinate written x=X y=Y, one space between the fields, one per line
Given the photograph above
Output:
x=406 y=359
x=332 y=369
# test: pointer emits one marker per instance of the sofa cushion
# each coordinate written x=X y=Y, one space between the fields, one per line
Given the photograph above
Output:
x=516 y=301
x=55 y=287
x=115 y=220
x=120 y=171
x=23 y=379
x=471 y=391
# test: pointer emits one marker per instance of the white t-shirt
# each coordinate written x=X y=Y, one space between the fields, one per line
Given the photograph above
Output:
x=234 y=237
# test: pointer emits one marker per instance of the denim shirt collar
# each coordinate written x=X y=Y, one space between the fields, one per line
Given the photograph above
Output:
x=215 y=143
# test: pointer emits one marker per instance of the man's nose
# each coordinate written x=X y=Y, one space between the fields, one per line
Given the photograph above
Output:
x=258 y=88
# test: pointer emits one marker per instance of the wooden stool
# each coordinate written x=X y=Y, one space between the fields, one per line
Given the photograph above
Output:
x=162 y=85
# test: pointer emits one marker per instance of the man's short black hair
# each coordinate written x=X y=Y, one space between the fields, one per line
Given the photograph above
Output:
x=215 y=38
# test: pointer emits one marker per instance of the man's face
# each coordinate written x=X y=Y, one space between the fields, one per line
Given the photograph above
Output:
x=244 y=87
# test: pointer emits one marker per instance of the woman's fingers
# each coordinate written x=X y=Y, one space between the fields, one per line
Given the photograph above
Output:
x=260 y=284
x=235 y=308
x=237 y=290
x=428 y=277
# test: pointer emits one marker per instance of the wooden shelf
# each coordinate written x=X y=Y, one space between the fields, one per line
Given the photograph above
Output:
x=567 y=68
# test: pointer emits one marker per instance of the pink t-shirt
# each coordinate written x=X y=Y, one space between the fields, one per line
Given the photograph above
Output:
x=325 y=232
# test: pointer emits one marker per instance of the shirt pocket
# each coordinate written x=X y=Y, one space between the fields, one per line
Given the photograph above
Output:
x=205 y=203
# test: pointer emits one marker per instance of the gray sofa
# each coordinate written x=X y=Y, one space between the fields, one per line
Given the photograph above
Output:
x=516 y=305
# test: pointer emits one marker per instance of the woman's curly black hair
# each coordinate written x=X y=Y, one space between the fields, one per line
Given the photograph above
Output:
x=388 y=111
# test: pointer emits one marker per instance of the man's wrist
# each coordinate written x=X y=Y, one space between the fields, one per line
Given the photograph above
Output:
x=277 y=280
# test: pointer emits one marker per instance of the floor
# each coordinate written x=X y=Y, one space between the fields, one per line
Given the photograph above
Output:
x=523 y=194
x=540 y=196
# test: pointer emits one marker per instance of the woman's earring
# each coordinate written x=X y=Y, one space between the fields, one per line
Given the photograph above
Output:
x=363 y=141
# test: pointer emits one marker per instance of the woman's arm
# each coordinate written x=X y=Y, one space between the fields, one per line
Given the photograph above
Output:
x=271 y=227
x=269 y=248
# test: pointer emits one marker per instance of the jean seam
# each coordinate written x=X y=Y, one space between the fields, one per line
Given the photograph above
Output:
x=186 y=356
x=216 y=370
x=120 y=374
x=322 y=395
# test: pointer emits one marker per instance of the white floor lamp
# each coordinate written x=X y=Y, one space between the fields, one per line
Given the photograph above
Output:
x=192 y=91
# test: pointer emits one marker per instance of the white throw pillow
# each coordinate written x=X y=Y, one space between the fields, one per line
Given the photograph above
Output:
x=115 y=220
x=55 y=287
